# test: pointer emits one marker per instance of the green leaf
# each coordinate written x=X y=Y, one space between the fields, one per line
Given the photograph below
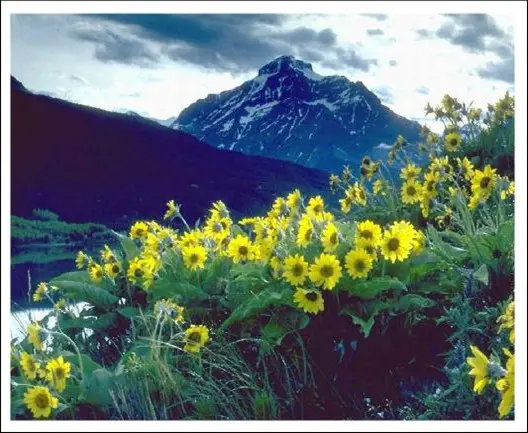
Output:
x=481 y=274
x=365 y=325
x=84 y=292
x=89 y=365
x=281 y=324
x=412 y=302
x=101 y=322
x=129 y=312
x=448 y=252
x=129 y=246
x=79 y=276
x=371 y=288
x=274 y=294
x=96 y=388
x=168 y=288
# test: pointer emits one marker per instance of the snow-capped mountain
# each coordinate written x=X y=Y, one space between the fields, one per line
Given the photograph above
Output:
x=289 y=112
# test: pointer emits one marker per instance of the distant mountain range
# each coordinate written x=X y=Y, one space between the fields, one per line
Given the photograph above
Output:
x=88 y=164
x=291 y=113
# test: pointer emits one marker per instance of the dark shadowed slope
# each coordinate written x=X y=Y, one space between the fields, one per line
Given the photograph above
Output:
x=91 y=165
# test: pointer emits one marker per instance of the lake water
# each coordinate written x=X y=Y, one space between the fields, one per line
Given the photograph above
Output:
x=32 y=264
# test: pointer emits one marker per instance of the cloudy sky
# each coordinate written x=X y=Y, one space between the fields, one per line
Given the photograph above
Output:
x=157 y=65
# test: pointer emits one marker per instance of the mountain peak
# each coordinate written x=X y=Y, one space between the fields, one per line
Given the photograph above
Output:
x=283 y=64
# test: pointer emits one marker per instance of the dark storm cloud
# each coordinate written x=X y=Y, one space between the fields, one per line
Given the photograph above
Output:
x=375 y=32
x=379 y=17
x=502 y=71
x=479 y=34
x=113 y=47
x=384 y=94
x=234 y=43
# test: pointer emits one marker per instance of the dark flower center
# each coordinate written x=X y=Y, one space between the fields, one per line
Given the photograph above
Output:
x=138 y=273
x=360 y=265
x=367 y=234
x=308 y=235
x=327 y=271
x=394 y=244
x=333 y=238
x=41 y=401
x=195 y=337
x=454 y=142
x=484 y=183
x=317 y=208
x=115 y=269
x=140 y=232
x=243 y=250
x=193 y=258
x=311 y=296
x=411 y=190
x=59 y=373
x=297 y=269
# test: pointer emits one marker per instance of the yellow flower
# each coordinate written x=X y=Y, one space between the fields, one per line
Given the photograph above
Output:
x=480 y=364
x=152 y=242
x=140 y=270
x=40 y=401
x=316 y=207
x=310 y=301
x=419 y=242
x=240 y=249
x=96 y=273
x=169 y=309
x=452 y=141
x=189 y=239
x=378 y=187
x=295 y=269
x=112 y=269
x=483 y=182
x=429 y=186
x=507 y=320
x=194 y=257
x=506 y=386
x=172 y=210
x=368 y=233
x=60 y=305
x=306 y=231
x=29 y=365
x=326 y=271
x=333 y=181
x=196 y=336
x=445 y=219
x=510 y=190
x=347 y=202
x=396 y=245
x=41 y=290
x=358 y=192
x=34 y=335
x=217 y=228
x=358 y=263
x=466 y=168
x=279 y=208
x=80 y=260
x=411 y=191
x=58 y=373
x=219 y=209
x=330 y=238
x=138 y=230
x=410 y=172
x=107 y=255
x=294 y=199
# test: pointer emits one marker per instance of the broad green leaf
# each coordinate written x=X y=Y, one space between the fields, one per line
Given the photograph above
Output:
x=481 y=274
x=101 y=322
x=129 y=246
x=84 y=292
x=129 y=312
x=411 y=302
x=79 y=276
x=447 y=251
x=281 y=324
x=274 y=294
x=371 y=288
x=168 y=288
x=96 y=387
x=365 y=325
x=88 y=364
